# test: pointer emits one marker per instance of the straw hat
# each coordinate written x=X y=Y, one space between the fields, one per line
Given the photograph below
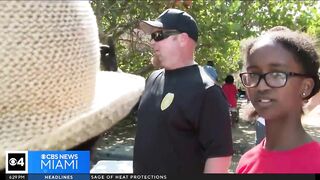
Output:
x=52 y=95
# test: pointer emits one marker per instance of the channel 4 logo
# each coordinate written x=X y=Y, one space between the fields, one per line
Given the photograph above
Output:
x=17 y=162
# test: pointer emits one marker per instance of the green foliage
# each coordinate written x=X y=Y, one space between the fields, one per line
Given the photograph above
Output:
x=222 y=25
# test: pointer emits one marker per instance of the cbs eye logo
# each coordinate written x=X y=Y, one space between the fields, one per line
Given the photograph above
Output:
x=16 y=162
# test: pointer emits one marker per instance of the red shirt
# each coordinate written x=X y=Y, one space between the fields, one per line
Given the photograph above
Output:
x=230 y=91
x=303 y=159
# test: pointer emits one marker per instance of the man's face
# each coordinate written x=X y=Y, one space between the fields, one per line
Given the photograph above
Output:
x=165 y=44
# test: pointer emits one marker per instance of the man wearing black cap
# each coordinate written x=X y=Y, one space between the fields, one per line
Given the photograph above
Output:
x=183 y=118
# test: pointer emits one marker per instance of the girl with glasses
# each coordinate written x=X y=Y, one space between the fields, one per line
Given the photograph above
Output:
x=281 y=73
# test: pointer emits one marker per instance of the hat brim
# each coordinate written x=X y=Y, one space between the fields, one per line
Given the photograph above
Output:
x=150 y=26
x=115 y=96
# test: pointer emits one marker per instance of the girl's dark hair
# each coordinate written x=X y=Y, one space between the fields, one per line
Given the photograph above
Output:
x=229 y=79
x=299 y=44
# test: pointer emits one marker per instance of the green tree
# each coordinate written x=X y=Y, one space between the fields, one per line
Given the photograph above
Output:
x=222 y=25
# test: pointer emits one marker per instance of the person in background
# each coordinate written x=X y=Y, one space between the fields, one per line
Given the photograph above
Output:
x=260 y=123
x=182 y=116
x=260 y=129
x=230 y=91
x=211 y=71
x=281 y=73
x=108 y=58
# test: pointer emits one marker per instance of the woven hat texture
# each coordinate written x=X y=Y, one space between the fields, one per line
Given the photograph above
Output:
x=52 y=95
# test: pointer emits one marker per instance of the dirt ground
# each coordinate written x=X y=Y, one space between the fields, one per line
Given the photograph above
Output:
x=117 y=143
x=243 y=136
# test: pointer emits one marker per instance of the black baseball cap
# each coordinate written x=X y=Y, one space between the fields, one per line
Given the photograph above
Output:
x=174 y=19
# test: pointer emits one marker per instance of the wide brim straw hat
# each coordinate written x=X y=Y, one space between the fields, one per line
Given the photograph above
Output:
x=53 y=96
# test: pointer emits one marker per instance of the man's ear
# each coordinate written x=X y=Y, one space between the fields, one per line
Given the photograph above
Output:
x=183 y=38
x=307 y=87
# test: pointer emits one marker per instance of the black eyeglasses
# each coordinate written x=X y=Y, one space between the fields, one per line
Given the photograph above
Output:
x=160 y=35
x=272 y=79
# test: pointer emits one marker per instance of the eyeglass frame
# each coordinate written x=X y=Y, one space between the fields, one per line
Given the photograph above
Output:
x=263 y=76
x=164 y=34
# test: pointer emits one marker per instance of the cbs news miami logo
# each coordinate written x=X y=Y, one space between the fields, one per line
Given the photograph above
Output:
x=47 y=162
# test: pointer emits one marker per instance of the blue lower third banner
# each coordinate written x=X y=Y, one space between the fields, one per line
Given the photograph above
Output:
x=59 y=165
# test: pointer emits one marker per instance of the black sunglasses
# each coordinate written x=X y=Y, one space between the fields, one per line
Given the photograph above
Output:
x=160 y=35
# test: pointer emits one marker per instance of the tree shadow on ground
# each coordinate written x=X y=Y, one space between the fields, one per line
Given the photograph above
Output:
x=117 y=143
x=243 y=136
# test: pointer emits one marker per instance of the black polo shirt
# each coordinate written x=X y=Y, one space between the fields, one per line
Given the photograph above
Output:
x=183 y=119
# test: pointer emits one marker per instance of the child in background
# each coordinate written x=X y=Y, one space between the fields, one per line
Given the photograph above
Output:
x=230 y=91
x=282 y=72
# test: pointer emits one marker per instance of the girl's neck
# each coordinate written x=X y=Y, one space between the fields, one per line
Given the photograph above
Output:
x=285 y=134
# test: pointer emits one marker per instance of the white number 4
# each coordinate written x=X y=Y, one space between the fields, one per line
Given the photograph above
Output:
x=20 y=162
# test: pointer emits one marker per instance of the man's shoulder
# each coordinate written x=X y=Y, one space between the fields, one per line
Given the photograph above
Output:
x=157 y=71
x=207 y=78
x=155 y=74
x=214 y=90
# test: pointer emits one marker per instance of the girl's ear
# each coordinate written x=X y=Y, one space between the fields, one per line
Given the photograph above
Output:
x=307 y=87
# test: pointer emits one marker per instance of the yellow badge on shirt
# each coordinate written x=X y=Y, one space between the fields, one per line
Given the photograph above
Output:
x=166 y=101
